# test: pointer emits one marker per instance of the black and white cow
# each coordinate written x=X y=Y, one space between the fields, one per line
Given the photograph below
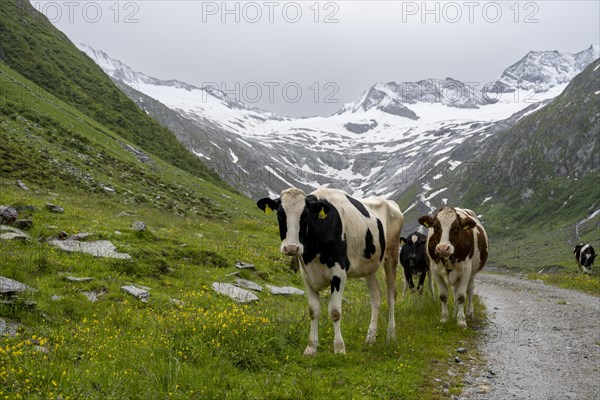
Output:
x=415 y=262
x=457 y=247
x=336 y=237
x=584 y=256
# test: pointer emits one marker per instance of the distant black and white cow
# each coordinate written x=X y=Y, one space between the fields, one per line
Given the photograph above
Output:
x=336 y=237
x=457 y=247
x=584 y=256
x=415 y=262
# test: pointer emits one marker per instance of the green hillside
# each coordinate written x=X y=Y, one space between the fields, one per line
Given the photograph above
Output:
x=33 y=47
x=186 y=342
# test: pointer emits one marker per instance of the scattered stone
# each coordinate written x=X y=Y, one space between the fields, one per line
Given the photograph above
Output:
x=461 y=350
x=108 y=189
x=51 y=227
x=140 y=286
x=457 y=360
x=483 y=389
x=451 y=373
x=41 y=349
x=438 y=380
x=56 y=297
x=235 y=273
x=246 y=284
x=80 y=236
x=140 y=155
x=8 y=328
x=8 y=215
x=125 y=214
x=138 y=226
x=79 y=279
x=243 y=265
x=24 y=224
x=199 y=235
x=118 y=233
x=93 y=296
x=551 y=269
x=21 y=185
x=62 y=235
x=234 y=292
x=178 y=302
x=285 y=290
x=10 y=287
x=137 y=292
x=15 y=236
x=98 y=248
x=25 y=209
x=54 y=208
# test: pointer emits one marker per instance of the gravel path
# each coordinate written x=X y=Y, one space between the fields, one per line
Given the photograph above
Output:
x=542 y=343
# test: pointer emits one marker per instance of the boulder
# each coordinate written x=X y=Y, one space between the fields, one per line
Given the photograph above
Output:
x=21 y=185
x=79 y=279
x=10 y=287
x=244 y=265
x=136 y=292
x=285 y=290
x=24 y=224
x=54 y=208
x=138 y=226
x=8 y=215
x=8 y=328
x=246 y=284
x=235 y=293
x=98 y=248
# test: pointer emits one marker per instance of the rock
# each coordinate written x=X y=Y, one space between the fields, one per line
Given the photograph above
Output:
x=461 y=350
x=10 y=233
x=234 y=292
x=285 y=290
x=24 y=224
x=108 y=189
x=8 y=215
x=21 y=185
x=244 y=283
x=243 y=265
x=98 y=248
x=178 y=302
x=118 y=233
x=93 y=296
x=138 y=226
x=136 y=292
x=25 y=209
x=8 y=328
x=79 y=279
x=11 y=287
x=125 y=214
x=80 y=236
x=41 y=349
x=457 y=359
x=54 y=208
x=56 y=297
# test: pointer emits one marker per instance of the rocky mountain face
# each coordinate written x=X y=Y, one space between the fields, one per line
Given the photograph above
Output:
x=393 y=136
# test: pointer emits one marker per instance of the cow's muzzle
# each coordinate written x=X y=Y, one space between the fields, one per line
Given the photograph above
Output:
x=444 y=250
x=290 y=249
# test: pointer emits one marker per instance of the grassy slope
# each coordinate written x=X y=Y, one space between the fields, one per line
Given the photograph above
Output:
x=32 y=46
x=209 y=347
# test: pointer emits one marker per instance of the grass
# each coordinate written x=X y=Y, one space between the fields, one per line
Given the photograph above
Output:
x=208 y=347
x=571 y=280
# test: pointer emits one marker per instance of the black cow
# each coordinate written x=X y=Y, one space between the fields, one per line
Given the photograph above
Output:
x=415 y=261
x=335 y=237
x=584 y=256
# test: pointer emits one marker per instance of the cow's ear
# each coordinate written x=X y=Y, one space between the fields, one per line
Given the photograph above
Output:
x=268 y=205
x=402 y=240
x=426 y=221
x=577 y=248
x=592 y=257
x=319 y=207
x=467 y=223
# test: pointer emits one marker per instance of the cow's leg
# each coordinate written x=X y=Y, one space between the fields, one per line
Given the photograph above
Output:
x=470 y=288
x=460 y=295
x=389 y=266
x=375 y=293
x=421 y=282
x=443 y=289
x=314 y=308
x=338 y=281
x=430 y=281
x=407 y=279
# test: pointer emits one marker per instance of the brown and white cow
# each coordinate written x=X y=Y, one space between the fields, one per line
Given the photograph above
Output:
x=334 y=237
x=457 y=247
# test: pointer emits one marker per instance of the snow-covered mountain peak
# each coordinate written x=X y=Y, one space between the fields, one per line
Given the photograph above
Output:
x=542 y=70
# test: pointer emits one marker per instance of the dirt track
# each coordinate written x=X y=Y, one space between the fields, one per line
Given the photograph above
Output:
x=542 y=343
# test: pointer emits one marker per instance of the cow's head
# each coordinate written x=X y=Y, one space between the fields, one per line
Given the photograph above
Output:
x=586 y=254
x=295 y=211
x=448 y=228
x=412 y=246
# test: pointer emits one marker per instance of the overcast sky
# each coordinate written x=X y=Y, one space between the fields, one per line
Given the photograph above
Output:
x=309 y=58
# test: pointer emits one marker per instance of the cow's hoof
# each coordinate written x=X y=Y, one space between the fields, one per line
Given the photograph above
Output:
x=443 y=320
x=339 y=347
x=371 y=338
x=470 y=314
x=310 y=351
x=462 y=323
x=391 y=334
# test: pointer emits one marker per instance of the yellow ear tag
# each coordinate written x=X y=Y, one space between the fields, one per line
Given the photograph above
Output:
x=466 y=227
x=322 y=214
x=268 y=210
x=426 y=224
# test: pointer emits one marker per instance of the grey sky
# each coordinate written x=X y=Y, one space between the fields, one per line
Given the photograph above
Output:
x=363 y=42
